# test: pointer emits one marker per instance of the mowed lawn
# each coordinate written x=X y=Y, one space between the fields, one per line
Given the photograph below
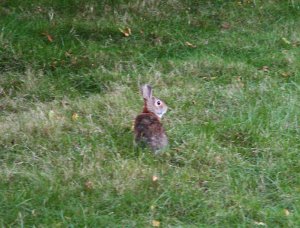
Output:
x=70 y=72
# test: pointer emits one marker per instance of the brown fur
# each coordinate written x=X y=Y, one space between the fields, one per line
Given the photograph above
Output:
x=148 y=129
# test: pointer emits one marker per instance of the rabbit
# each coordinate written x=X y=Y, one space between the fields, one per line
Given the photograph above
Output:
x=148 y=129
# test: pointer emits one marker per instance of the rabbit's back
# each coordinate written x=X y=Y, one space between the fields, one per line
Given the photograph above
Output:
x=149 y=130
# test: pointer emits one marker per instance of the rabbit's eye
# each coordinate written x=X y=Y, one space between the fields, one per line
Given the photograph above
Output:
x=158 y=102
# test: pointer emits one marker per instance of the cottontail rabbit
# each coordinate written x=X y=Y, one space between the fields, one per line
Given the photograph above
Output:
x=147 y=126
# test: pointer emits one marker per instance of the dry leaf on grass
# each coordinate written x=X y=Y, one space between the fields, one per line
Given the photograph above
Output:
x=285 y=74
x=225 y=25
x=154 y=178
x=265 y=69
x=285 y=40
x=155 y=223
x=286 y=212
x=218 y=160
x=190 y=44
x=49 y=37
x=126 y=31
x=88 y=185
x=260 y=223
x=75 y=116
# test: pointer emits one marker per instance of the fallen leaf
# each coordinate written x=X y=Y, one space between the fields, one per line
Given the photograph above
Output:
x=190 y=44
x=202 y=183
x=155 y=223
x=218 y=160
x=285 y=74
x=49 y=37
x=68 y=54
x=225 y=25
x=285 y=40
x=75 y=116
x=239 y=82
x=126 y=31
x=88 y=185
x=260 y=223
x=39 y=9
x=154 y=178
x=265 y=68
x=286 y=212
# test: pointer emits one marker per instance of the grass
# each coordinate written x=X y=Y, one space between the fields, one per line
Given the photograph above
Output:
x=69 y=93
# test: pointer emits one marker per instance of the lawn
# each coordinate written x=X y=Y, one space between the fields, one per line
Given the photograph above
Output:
x=70 y=73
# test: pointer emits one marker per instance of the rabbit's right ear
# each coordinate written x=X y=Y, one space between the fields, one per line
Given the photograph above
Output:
x=146 y=91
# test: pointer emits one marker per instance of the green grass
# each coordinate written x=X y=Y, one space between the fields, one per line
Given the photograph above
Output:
x=233 y=119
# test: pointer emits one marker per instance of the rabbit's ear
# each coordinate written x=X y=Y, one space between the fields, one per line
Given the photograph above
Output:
x=146 y=91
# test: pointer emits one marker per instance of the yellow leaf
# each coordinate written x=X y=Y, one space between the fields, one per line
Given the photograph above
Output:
x=154 y=178
x=190 y=44
x=285 y=40
x=260 y=223
x=126 y=31
x=155 y=223
x=285 y=74
x=75 y=116
x=286 y=212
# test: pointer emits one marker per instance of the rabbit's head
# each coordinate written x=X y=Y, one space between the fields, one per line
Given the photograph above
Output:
x=153 y=104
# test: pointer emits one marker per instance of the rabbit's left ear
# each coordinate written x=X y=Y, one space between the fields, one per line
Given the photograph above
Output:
x=146 y=91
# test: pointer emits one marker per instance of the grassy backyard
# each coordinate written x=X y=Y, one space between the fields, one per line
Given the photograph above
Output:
x=70 y=73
